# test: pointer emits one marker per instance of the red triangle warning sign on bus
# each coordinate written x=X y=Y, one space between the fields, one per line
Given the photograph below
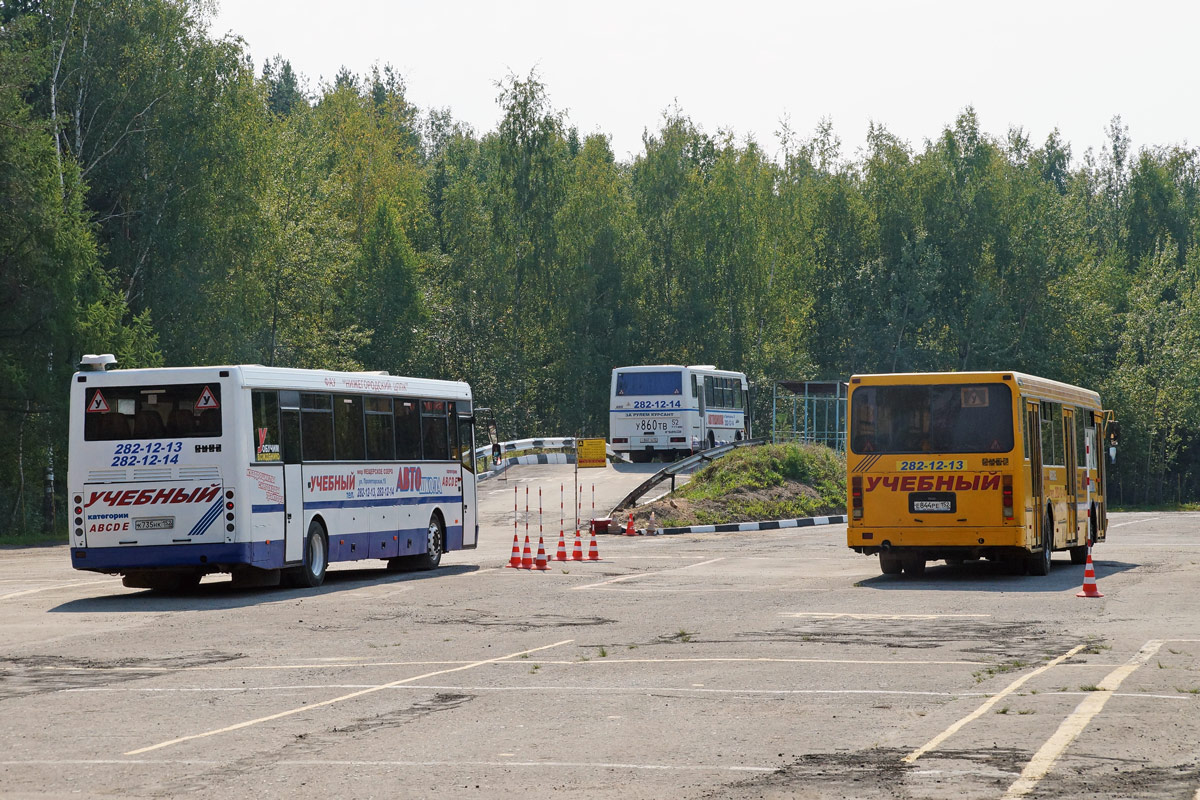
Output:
x=207 y=400
x=98 y=404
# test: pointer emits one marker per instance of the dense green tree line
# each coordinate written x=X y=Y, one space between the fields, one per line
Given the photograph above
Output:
x=163 y=199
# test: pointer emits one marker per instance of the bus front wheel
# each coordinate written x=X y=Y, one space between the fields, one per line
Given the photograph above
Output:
x=311 y=573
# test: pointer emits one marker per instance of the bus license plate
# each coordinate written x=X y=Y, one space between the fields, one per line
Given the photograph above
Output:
x=154 y=524
x=931 y=503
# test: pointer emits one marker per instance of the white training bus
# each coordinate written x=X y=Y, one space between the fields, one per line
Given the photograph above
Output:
x=265 y=473
x=671 y=411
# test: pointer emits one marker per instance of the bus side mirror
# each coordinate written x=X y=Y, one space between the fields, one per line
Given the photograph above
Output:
x=1112 y=454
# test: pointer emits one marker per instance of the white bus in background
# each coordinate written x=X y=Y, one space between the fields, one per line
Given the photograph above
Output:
x=671 y=411
x=266 y=473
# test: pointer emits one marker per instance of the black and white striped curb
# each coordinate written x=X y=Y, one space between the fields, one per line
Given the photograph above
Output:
x=770 y=525
x=540 y=458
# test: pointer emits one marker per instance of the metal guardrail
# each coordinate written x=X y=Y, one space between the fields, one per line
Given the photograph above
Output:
x=683 y=465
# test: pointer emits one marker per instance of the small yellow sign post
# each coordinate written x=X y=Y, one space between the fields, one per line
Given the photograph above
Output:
x=591 y=453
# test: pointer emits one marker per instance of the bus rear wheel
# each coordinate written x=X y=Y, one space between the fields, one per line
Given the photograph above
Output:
x=165 y=581
x=1039 y=563
x=435 y=544
x=311 y=573
x=914 y=566
x=890 y=564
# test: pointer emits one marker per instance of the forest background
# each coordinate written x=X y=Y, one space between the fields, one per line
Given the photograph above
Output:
x=164 y=200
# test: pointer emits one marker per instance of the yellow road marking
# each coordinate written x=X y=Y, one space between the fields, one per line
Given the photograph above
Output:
x=1072 y=726
x=983 y=709
x=373 y=689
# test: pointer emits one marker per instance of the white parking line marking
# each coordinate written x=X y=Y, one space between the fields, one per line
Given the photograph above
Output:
x=1133 y=522
x=400 y=682
x=647 y=574
x=983 y=709
x=1073 y=725
x=50 y=588
x=456 y=763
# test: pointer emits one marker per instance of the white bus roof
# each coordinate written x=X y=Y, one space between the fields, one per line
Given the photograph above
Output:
x=665 y=367
x=314 y=380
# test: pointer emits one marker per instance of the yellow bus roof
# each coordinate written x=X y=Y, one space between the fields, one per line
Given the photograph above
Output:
x=1028 y=385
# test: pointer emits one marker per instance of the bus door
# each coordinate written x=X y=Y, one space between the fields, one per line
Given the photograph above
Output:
x=1036 y=498
x=1072 y=481
x=293 y=478
x=470 y=515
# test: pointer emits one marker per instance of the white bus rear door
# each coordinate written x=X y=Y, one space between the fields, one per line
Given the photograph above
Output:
x=293 y=498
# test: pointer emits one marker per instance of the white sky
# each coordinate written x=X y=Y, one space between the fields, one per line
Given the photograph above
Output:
x=614 y=67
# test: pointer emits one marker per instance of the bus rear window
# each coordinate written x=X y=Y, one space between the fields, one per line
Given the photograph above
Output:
x=955 y=418
x=641 y=384
x=161 y=411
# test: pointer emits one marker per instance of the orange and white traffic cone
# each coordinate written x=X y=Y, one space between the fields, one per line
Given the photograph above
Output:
x=1090 y=589
x=593 y=551
x=540 y=562
x=577 y=551
x=561 y=553
x=527 y=556
x=629 y=531
x=515 y=560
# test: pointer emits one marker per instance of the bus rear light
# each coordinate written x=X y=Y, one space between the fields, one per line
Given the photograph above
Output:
x=678 y=439
x=856 y=497
x=1007 y=497
x=620 y=440
x=229 y=505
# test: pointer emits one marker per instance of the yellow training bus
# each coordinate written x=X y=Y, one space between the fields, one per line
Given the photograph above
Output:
x=969 y=465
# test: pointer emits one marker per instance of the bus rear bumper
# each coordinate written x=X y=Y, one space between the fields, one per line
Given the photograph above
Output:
x=937 y=543
x=200 y=557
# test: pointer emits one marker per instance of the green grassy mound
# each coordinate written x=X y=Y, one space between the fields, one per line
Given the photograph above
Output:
x=751 y=484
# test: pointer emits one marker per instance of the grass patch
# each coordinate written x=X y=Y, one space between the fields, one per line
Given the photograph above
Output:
x=1091 y=687
x=782 y=481
x=1187 y=691
x=999 y=669
x=31 y=539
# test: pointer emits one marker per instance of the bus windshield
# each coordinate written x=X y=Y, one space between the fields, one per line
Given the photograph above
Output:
x=641 y=384
x=952 y=418
x=159 y=411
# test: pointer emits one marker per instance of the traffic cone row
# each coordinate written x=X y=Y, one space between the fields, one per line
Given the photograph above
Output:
x=1090 y=589
x=526 y=560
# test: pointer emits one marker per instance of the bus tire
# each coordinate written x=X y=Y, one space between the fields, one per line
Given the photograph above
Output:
x=311 y=573
x=435 y=544
x=890 y=564
x=1039 y=563
x=1079 y=554
x=914 y=566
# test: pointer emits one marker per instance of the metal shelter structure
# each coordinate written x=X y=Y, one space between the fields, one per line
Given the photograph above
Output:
x=809 y=411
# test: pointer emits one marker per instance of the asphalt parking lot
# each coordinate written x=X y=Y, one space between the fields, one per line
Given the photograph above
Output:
x=739 y=665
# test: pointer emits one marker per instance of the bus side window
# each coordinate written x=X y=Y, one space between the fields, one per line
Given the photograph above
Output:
x=433 y=430
x=289 y=435
x=265 y=436
x=316 y=426
x=408 y=429
x=452 y=430
x=350 y=442
x=381 y=444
